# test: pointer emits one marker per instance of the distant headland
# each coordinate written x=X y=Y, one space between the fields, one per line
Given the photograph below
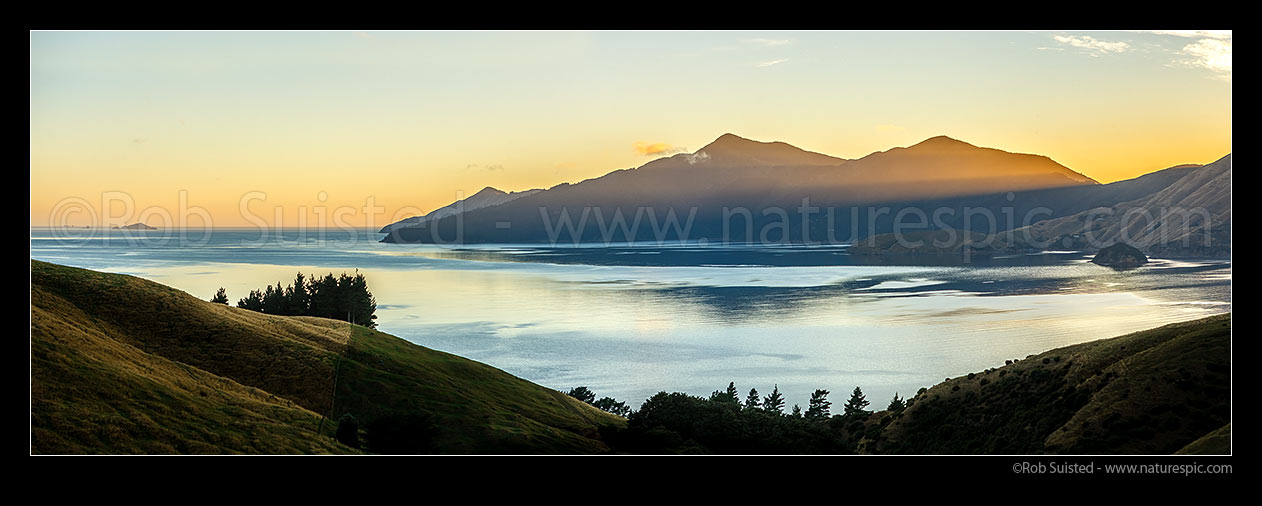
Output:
x=135 y=226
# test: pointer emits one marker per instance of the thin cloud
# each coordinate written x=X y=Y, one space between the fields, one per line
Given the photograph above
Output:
x=656 y=148
x=771 y=62
x=1212 y=54
x=1211 y=50
x=1200 y=34
x=1093 y=46
x=769 y=42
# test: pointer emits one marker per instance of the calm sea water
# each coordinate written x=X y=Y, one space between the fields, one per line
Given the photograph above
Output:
x=631 y=320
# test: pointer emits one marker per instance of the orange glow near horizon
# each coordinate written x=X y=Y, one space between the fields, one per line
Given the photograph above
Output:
x=362 y=131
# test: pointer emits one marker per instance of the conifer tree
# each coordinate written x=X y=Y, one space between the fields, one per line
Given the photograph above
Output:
x=774 y=403
x=752 y=401
x=897 y=404
x=363 y=305
x=611 y=405
x=343 y=298
x=274 y=300
x=221 y=297
x=582 y=394
x=299 y=299
x=727 y=397
x=253 y=301
x=819 y=406
x=855 y=405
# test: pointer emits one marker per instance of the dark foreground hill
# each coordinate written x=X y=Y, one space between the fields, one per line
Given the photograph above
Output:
x=1158 y=391
x=124 y=365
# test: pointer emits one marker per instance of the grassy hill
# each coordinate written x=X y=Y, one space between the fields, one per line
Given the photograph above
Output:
x=1151 y=392
x=124 y=365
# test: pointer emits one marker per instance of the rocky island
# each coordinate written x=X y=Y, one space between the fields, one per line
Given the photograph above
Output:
x=136 y=226
x=1120 y=256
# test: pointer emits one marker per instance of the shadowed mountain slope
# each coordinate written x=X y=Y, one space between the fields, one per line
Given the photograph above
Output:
x=687 y=194
x=1191 y=217
x=485 y=197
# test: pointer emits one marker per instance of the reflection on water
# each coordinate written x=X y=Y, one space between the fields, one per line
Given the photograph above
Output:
x=629 y=321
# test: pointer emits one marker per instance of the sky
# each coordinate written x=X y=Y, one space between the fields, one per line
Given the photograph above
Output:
x=346 y=128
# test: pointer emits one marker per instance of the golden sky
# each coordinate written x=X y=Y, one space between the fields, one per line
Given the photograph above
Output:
x=374 y=127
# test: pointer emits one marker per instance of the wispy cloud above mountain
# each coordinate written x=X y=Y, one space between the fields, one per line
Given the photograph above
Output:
x=656 y=148
x=1091 y=45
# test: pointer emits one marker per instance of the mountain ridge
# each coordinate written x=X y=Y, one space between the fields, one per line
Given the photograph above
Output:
x=734 y=172
x=486 y=197
x=1067 y=226
x=1191 y=217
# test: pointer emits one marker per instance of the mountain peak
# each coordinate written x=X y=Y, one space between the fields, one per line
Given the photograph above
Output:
x=942 y=142
x=729 y=140
x=488 y=191
x=732 y=148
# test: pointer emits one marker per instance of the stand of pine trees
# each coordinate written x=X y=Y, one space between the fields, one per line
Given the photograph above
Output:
x=726 y=424
x=343 y=298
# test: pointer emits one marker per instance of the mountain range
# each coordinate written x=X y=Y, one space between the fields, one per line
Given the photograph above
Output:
x=486 y=197
x=737 y=190
x=1189 y=217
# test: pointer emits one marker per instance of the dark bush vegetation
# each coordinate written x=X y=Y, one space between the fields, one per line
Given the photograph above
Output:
x=343 y=298
x=348 y=431
x=400 y=434
x=722 y=424
x=221 y=297
x=606 y=404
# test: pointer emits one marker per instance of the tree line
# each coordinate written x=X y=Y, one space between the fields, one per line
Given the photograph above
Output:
x=726 y=423
x=344 y=297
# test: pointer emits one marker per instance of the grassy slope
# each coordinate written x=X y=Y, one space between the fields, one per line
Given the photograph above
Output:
x=93 y=392
x=1217 y=442
x=124 y=365
x=1150 y=392
x=476 y=408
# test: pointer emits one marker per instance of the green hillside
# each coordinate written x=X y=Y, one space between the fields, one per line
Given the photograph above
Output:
x=1149 y=392
x=124 y=365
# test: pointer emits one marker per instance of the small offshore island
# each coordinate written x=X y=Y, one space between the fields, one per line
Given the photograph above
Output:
x=1120 y=256
x=136 y=226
